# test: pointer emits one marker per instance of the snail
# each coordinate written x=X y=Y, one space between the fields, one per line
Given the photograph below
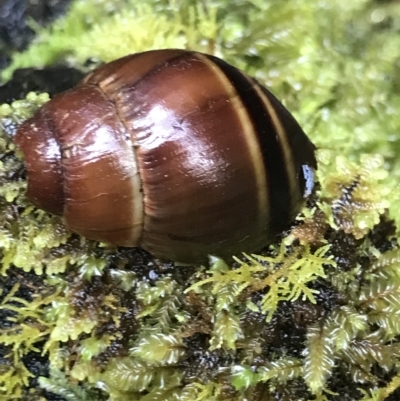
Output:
x=174 y=151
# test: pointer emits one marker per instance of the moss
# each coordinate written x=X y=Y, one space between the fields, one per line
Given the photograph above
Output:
x=104 y=30
x=312 y=317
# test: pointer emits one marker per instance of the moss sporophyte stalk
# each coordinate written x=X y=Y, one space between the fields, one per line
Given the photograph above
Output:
x=312 y=317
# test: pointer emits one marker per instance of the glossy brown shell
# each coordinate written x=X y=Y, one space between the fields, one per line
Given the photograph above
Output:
x=174 y=151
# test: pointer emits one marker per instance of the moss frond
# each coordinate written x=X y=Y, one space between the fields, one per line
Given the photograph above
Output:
x=370 y=350
x=209 y=391
x=286 y=277
x=227 y=330
x=319 y=356
x=26 y=329
x=388 y=322
x=159 y=348
x=347 y=323
x=14 y=377
x=289 y=282
x=91 y=347
x=221 y=275
x=381 y=295
x=59 y=384
x=387 y=266
x=126 y=280
x=282 y=370
x=129 y=375
x=357 y=190
x=346 y=333
x=242 y=377
x=25 y=335
x=162 y=301
x=373 y=395
x=68 y=326
x=381 y=394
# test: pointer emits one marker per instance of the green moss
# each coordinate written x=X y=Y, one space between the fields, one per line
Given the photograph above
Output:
x=285 y=275
x=60 y=385
x=313 y=316
x=26 y=329
x=105 y=31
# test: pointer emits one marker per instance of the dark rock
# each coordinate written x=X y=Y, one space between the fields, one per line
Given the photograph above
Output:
x=51 y=80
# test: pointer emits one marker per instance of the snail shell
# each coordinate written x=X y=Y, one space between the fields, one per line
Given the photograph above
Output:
x=174 y=151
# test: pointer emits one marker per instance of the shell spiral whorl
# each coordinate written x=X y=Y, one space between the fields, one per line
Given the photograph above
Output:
x=174 y=151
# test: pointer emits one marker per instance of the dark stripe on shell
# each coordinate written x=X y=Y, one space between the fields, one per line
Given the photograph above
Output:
x=271 y=148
